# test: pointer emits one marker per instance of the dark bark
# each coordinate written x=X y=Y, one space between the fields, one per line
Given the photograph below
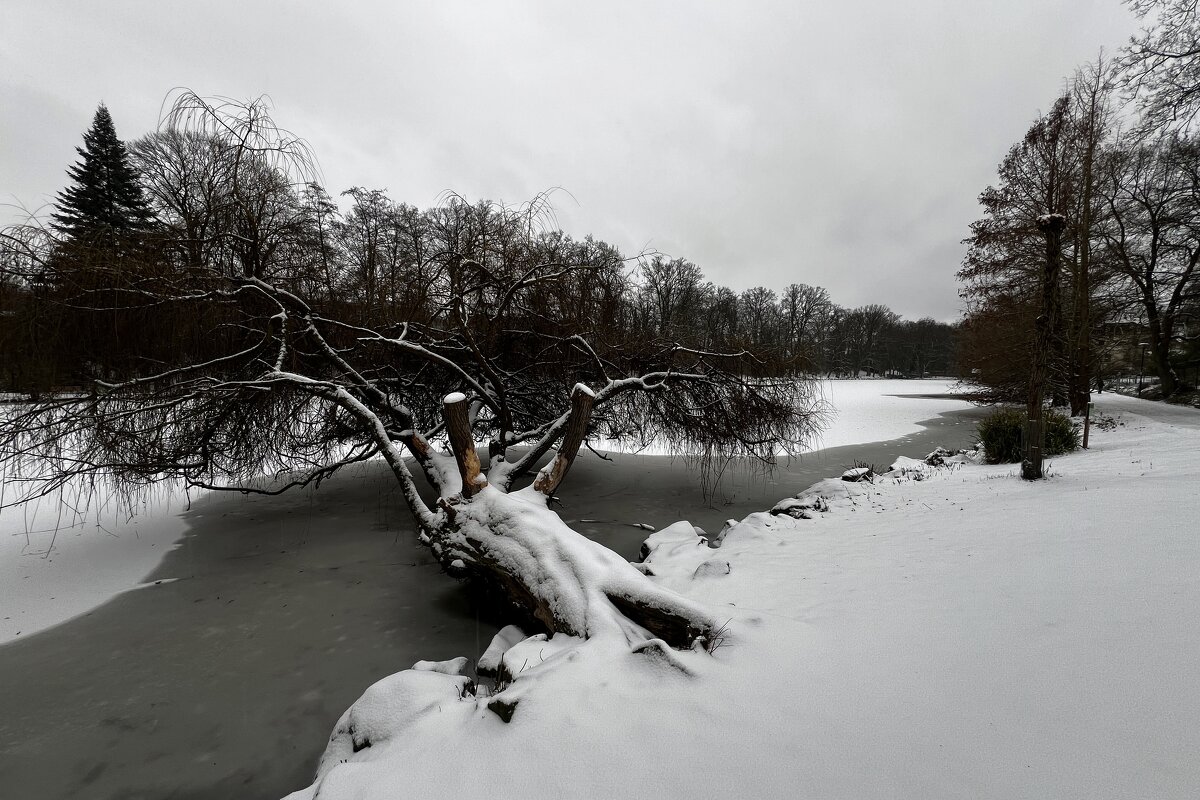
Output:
x=458 y=428
x=581 y=410
x=1051 y=226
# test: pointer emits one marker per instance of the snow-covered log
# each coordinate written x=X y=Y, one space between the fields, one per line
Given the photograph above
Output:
x=558 y=577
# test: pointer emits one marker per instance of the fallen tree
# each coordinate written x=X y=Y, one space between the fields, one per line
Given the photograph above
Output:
x=276 y=382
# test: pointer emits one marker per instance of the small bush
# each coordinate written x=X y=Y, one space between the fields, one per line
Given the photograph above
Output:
x=1061 y=434
x=1001 y=431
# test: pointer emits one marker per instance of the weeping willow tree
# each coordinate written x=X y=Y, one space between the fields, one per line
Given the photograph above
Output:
x=486 y=390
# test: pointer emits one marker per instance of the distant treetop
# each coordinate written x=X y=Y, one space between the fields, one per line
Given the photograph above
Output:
x=105 y=197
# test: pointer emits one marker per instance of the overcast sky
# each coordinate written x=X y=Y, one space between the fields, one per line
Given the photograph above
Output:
x=836 y=143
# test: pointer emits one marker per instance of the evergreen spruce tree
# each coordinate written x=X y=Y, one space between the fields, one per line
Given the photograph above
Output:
x=105 y=201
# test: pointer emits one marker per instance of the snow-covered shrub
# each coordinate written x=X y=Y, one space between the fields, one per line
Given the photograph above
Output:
x=1001 y=434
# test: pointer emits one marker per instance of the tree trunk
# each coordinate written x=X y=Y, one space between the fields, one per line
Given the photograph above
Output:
x=518 y=548
x=1160 y=351
x=1051 y=226
x=1092 y=94
x=559 y=578
x=1081 y=375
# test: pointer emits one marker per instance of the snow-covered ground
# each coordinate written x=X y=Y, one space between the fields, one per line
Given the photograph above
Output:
x=881 y=410
x=964 y=634
x=861 y=411
x=55 y=565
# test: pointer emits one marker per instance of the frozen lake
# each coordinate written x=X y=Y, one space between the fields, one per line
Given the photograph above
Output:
x=273 y=614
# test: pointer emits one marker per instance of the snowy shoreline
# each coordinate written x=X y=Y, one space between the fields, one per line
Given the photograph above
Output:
x=286 y=608
x=951 y=632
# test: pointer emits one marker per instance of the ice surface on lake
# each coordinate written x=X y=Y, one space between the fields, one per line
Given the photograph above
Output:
x=54 y=566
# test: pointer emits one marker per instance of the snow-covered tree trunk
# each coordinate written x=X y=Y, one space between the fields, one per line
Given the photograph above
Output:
x=517 y=546
x=558 y=577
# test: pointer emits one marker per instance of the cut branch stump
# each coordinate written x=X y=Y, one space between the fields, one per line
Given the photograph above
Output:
x=552 y=475
x=458 y=429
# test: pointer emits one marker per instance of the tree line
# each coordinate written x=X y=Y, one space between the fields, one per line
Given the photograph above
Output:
x=185 y=200
x=1117 y=158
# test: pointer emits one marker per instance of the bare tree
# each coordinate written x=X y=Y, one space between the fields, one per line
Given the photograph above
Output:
x=721 y=322
x=184 y=176
x=1161 y=65
x=759 y=315
x=671 y=288
x=287 y=387
x=1152 y=237
x=1007 y=250
x=1091 y=124
x=864 y=328
x=804 y=312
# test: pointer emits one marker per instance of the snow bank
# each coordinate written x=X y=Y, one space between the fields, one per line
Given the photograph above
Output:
x=502 y=642
x=964 y=634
